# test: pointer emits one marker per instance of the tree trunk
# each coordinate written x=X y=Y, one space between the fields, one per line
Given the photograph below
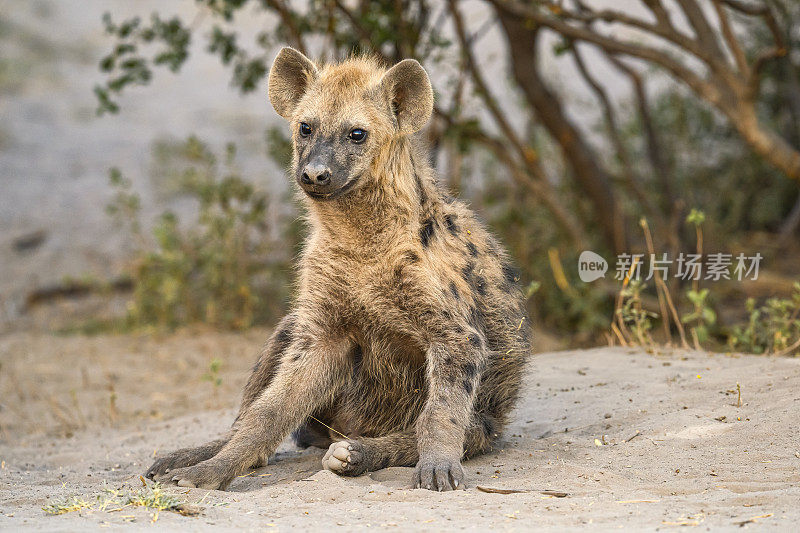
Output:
x=590 y=177
x=774 y=149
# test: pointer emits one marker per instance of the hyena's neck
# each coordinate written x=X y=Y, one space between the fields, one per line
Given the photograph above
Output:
x=398 y=195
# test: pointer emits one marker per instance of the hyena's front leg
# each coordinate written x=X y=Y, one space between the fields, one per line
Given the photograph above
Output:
x=310 y=373
x=263 y=373
x=453 y=370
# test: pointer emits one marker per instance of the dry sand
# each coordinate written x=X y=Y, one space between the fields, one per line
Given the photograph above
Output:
x=638 y=441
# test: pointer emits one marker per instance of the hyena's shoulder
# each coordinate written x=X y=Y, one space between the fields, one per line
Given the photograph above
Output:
x=467 y=239
x=465 y=261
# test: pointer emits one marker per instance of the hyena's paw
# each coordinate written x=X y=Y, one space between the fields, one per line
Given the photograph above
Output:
x=177 y=459
x=345 y=458
x=438 y=474
x=211 y=474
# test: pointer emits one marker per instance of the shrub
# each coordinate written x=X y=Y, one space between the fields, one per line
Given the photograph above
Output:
x=216 y=270
x=771 y=328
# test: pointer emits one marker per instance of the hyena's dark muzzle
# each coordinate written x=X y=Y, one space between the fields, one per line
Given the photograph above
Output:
x=321 y=175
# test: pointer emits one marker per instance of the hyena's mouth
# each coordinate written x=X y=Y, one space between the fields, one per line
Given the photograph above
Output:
x=333 y=194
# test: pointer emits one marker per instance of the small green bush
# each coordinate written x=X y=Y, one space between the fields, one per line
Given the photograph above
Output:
x=702 y=317
x=634 y=316
x=771 y=328
x=216 y=270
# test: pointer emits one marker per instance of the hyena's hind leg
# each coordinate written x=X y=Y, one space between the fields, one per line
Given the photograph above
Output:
x=355 y=457
x=480 y=435
x=263 y=372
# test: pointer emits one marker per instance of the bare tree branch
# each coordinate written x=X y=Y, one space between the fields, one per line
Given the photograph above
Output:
x=612 y=127
x=652 y=55
x=590 y=176
x=668 y=226
x=747 y=9
x=706 y=36
x=527 y=155
x=661 y=14
x=731 y=40
x=730 y=91
x=481 y=87
x=765 y=12
x=539 y=187
x=285 y=13
x=663 y=29
x=364 y=35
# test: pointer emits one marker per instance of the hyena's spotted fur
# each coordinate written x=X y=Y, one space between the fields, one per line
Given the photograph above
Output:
x=409 y=332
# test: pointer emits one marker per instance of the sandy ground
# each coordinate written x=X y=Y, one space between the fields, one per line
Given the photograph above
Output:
x=636 y=440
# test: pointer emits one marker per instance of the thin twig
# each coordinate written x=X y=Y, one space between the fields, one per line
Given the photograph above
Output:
x=327 y=426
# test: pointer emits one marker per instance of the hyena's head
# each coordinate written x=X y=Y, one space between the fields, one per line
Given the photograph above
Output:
x=343 y=116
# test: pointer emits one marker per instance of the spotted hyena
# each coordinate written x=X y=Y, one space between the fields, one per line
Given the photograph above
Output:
x=408 y=334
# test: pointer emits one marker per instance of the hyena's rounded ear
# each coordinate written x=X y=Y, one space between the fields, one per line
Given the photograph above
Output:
x=411 y=95
x=289 y=78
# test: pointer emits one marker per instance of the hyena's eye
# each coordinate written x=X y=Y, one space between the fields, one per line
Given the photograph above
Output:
x=357 y=135
x=305 y=129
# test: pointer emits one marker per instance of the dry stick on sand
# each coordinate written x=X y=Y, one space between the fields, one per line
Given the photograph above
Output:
x=662 y=306
x=619 y=335
x=633 y=436
x=113 y=414
x=696 y=340
x=752 y=520
x=789 y=350
x=696 y=281
x=662 y=289
x=493 y=490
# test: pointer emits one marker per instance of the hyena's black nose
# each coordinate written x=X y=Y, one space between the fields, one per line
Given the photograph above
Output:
x=316 y=175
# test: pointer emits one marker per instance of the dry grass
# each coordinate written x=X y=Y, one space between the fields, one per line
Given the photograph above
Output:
x=67 y=505
x=150 y=496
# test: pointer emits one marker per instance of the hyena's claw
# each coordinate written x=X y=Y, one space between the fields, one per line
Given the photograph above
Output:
x=345 y=458
x=206 y=475
x=183 y=482
x=438 y=474
x=157 y=469
x=180 y=459
x=163 y=466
